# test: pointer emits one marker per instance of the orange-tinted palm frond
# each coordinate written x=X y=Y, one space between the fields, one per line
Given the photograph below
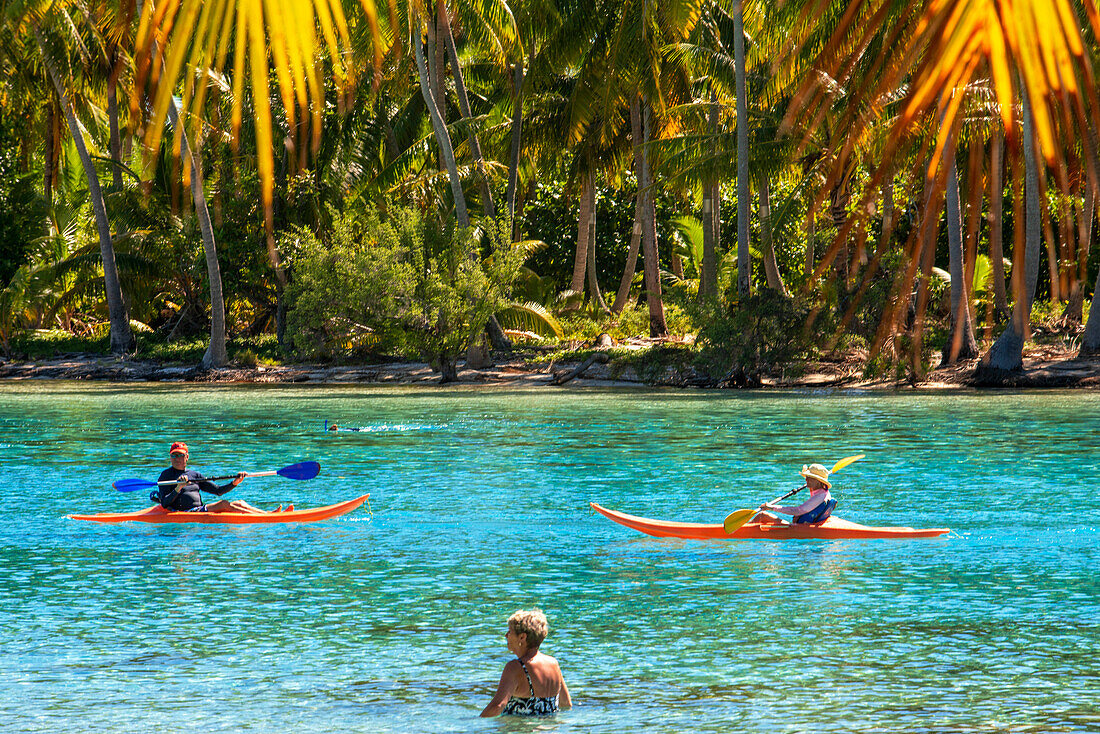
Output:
x=1031 y=47
x=180 y=42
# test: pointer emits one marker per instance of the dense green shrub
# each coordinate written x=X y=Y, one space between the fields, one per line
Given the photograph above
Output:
x=764 y=331
x=402 y=286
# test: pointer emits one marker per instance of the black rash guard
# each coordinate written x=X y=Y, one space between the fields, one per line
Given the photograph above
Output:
x=188 y=497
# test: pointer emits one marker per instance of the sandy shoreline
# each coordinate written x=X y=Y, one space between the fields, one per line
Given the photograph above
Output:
x=1041 y=370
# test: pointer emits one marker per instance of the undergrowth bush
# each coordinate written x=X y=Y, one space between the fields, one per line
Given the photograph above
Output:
x=758 y=335
x=586 y=325
x=404 y=285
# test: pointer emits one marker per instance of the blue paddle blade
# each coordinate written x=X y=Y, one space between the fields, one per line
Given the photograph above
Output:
x=304 y=470
x=130 y=485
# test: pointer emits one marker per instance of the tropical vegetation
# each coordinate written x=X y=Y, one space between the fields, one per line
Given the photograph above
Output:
x=752 y=183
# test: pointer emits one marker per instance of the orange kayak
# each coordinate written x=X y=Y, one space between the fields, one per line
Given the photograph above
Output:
x=832 y=527
x=158 y=514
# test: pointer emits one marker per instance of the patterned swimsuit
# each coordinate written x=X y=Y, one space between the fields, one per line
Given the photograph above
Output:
x=533 y=705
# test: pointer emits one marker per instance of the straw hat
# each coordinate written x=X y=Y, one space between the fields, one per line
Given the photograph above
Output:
x=818 y=472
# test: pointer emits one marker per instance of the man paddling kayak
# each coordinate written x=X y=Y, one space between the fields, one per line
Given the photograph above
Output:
x=185 y=495
x=816 y=509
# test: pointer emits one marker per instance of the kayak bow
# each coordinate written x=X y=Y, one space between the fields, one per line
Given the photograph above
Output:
x=832 y=527
x=157 y=514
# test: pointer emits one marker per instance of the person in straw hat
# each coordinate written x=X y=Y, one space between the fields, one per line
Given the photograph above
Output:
x=816 y=508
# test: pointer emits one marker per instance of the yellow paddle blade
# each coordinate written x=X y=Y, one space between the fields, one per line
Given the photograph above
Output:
x=845 y=462
x=737 y=518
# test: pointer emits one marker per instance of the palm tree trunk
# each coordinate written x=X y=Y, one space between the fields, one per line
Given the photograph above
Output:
x=437 y=57
x=996 y=228
x=811 y=256
x=657 y=326
x=467 y=112
x=1085 y=218
x=708 y=278
x=744 y=262
x=963 y=345
x=886 y=234
x=623 y=294
x=122 y=338
x=580 y=257
x=1090 y=340
x=112 y=117
x=442 y=137
x=51 y=145
x=1006 y=354
x=593 y=282
x=215 y=355
x=1052 y=261
x=771 y=267
x=517 y=128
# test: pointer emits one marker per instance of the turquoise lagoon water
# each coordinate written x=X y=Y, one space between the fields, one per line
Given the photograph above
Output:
x=393 y=621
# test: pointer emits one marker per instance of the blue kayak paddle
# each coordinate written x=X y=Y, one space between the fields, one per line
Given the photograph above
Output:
x=301 y=471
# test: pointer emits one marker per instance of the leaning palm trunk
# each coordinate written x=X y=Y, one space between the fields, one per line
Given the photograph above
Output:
x=580 y=257
x=517 y=128
x=442 y=137
x=623 y=294
x=1073 y=309
x=112 y=117
x=593 y=282
x=467 y=112
x=122 y=338
x=744 y=262
x=1006 y=354
x=657 y=326
x=963 y=345
x=215 y=355
x=771 y=267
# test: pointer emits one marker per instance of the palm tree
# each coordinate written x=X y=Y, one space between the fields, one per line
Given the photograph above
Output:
x=215 y=355
x=632 y=57
x=1006 y=354
x=744 y=264
x=55 y=59
x=936 y=49
x=963 y=345
x=174 y=39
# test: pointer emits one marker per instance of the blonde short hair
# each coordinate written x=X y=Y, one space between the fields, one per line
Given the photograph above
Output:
x=531 y=622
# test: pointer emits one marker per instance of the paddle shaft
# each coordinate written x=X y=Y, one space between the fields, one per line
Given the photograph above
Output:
x=216 y=479
x=789 y=494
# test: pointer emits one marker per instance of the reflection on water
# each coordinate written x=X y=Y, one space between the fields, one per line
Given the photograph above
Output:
x=391 y=622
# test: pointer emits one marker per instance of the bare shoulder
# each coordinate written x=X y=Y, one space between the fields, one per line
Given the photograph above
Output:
x=548 y=662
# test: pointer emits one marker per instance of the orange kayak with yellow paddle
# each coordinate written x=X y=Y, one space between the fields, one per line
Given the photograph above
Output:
x=157 y=514
x=831 y=528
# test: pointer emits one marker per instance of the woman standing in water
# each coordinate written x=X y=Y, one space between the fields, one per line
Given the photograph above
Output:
x=532 y=684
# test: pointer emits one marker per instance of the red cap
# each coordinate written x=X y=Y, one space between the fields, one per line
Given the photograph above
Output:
x=179 y=447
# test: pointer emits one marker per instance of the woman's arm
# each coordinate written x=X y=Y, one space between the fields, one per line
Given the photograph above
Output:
x=564 y=701
x=504 y=691
x=814 y=501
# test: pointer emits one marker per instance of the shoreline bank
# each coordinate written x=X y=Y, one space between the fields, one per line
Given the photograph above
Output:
x=1041 y=370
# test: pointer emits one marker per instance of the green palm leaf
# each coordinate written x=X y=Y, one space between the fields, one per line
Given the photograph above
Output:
x=530 y=316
